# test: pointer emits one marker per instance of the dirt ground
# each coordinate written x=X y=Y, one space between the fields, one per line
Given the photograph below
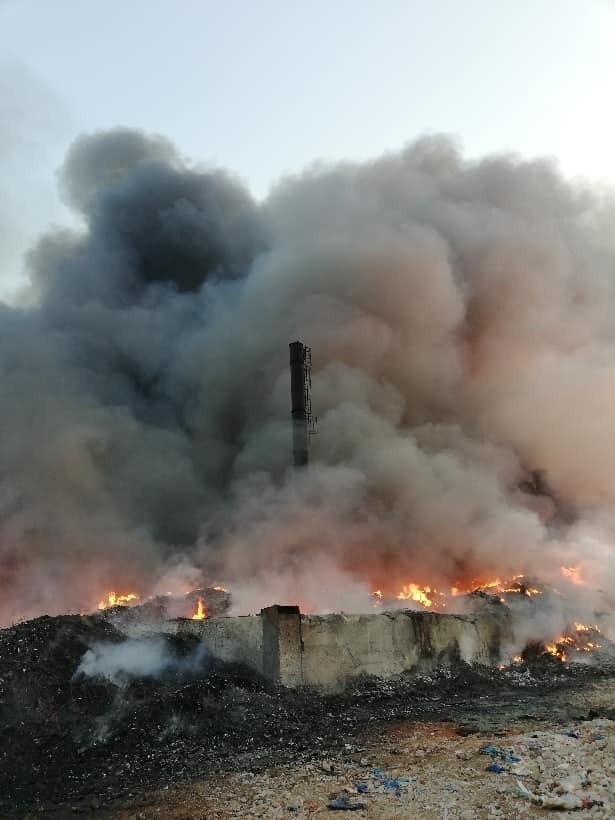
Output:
x=218 y=743
x=430 y=771
x=440 y=776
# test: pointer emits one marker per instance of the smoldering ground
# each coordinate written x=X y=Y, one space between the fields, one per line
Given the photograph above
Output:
x=462 y=320
x=147 y=657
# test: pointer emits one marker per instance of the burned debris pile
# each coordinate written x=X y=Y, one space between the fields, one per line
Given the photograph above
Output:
x=72 y=739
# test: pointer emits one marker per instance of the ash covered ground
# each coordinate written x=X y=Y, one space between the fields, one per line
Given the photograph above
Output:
x=75 y=745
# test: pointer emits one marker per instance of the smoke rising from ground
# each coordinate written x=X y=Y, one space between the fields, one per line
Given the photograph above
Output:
x=462 y=321
x=138 y=658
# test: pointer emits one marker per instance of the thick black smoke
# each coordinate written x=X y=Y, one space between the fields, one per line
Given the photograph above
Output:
x=462 y=320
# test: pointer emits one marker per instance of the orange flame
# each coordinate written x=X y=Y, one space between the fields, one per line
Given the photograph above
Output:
x=584 y=628
x=201 y=611
x=430 y=597
x=573 y=574
x=414 y=592
x=117 y=600
x=579 y=644
x=514 y=585
x=556 y=648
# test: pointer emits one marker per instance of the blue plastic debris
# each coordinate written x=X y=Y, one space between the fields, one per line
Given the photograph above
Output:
x=493 y=751
x=451 y=789
x=362 y=788
x=380 y=774
x=394 y=785
x=495 y=768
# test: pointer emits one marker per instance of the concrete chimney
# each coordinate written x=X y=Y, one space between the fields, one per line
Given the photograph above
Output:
x=299 y=403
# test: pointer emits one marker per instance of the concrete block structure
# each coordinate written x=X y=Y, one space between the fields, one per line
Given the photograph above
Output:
x=328 y=650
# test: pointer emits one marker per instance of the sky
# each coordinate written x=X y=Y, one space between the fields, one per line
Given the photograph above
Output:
x=265 y=88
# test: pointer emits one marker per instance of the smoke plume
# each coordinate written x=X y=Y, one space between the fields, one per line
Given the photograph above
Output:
x=461 y=316
x=138 y=658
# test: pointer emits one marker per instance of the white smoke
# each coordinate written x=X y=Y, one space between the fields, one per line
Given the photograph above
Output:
x=138 y=658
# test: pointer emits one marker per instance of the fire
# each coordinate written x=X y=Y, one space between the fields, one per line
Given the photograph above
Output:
x=413 y=592
x=584 y=628
x=514 y=586
x=377 y=596
x=424 y=595
x=580 y=643
x=553 y=649
x=201 y=611
x=573 y=574
x=220 y=589
x=557 y=648
x=430 y=597
x=117 y=600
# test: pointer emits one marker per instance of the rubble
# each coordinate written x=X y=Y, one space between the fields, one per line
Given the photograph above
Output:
x=95 y=745
x=550 y=773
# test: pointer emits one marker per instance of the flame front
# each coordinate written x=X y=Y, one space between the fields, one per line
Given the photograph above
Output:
x=579 y=643
x=430 y=597
x=414 y=592
x=117 y=600
x=201 y=611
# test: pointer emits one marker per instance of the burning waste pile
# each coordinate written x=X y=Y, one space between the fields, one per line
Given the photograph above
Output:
x=461 y=316
x=196 y=605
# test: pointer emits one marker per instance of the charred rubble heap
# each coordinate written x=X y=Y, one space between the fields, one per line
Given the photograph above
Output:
x=73 y=740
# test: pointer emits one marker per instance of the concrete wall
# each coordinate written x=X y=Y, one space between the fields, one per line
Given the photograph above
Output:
x=235 y=640
x=238 y=639
x=282 y=646
x=327 y=650
x=338 y=647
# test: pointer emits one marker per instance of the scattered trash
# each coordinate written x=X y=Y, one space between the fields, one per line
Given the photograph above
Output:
x=327 y=766
x=394 y=786
x=510 y=758
x=567 y=802
x=495 y=768
x=342 y=803
x=450 y=788
x=379 y=774
x=573 y=734
x=362 y=788
x=493 y=751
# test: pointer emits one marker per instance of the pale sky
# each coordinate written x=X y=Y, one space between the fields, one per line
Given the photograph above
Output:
x=266 y=87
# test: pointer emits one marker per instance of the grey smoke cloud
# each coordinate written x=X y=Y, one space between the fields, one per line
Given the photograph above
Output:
x=462 y=325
